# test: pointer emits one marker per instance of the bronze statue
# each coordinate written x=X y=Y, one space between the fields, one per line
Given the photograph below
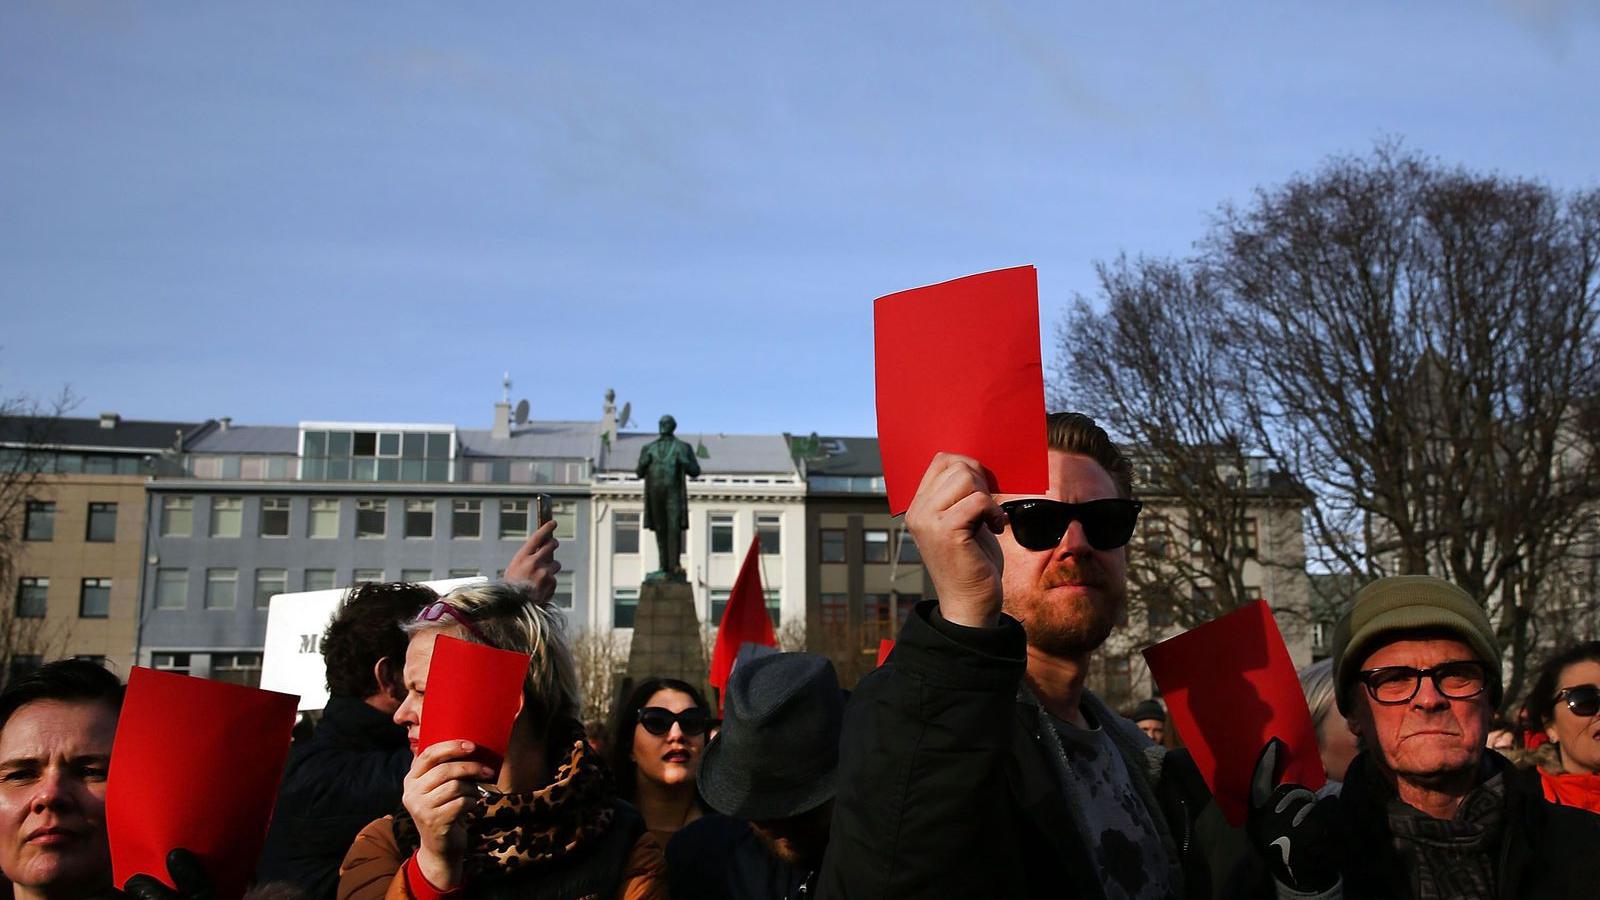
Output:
x=666 y=464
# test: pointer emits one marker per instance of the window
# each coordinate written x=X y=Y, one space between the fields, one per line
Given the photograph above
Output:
x=773 y=600
x=237 y=668
x=562 y=598
x=908 y=549
x=94 y=599
x=322 y=520
x=33 y=598
x=1157 y=537
x=41 y=521
x=466 y=518
x=1119 y=681
x=835 y=609
x=177 y=663
x=23 y=664
x=1249 y=536
x=414 y=576
x=419 y=518
x=833 y=545
x=722 y=532
x=769 y=530
x=269 y=582
x=1159 y=614
x=374 y=576
x=1319 y=635
x=227 y=516
x=177 y=516
x=565 y=512
x=625 y=532
x=319 y=580
x=370 y=517
x=222 y=588
x=469 y=573
x=624 y=603
x=172 y=589
x=102 y=525
x=875 y=545
x=875 y=619
x=274 y=517
x=513 y=519
x=719 y=605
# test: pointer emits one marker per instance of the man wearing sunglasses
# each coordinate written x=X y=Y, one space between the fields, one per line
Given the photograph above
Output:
x=975 y=763
x=1426 y=810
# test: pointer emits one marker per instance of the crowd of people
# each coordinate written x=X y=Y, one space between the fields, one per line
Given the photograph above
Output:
x=973 y=763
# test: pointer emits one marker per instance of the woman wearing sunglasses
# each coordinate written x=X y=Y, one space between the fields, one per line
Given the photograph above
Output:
x=659 y=734
x=547 y=824
x=1566 y=699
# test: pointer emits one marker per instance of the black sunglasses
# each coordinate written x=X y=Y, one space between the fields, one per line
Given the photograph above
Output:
x=1459 y=680
x=1582 y=699
x=1038 y=523
x=694 y=721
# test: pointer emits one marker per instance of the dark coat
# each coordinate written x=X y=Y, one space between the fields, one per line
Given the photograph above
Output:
x=1547 y=851
x=718 y=858
x=946 y=789
x=346 y=775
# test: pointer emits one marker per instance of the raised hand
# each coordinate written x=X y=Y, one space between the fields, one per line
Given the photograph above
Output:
x=1291 y=829
x=954 y=521
x=438 y=792
x=535 y=562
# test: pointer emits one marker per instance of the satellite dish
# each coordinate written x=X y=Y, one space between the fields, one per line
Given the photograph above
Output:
x=522 y=412
x=627 y=416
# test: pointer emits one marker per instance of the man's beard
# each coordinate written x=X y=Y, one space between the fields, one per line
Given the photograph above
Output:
x=1074 y=626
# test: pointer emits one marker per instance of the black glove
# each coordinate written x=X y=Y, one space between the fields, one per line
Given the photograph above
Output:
x=1290 y=828
x=191 y=877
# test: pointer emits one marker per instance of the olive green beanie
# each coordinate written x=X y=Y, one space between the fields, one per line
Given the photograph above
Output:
x=1410 y=603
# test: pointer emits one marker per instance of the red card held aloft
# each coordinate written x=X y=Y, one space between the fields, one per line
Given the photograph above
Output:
x=474 y=693
x=958 y=371
x=1230 y=686
x=196 y=764
x=885 y=647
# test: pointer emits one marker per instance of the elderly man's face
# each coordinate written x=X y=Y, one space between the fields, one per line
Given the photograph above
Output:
x=1429 y=738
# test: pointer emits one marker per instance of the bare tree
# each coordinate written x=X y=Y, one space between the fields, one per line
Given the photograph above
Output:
x=601 y=658
x=28 y=435
x=1415 y=344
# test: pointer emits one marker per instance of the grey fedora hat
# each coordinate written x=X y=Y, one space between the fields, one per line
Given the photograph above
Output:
x=778 y=751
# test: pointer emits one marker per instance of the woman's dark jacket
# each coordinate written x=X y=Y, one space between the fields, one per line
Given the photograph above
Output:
x=945 y=787
x=346 y=775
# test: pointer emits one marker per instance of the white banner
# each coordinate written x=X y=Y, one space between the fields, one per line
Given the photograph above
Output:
x=291 y=659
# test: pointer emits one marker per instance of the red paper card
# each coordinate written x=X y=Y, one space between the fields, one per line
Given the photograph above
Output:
x=958 y=371
x=196 y=764
x=884 y=647
x=1229 y=686
x=474 y=694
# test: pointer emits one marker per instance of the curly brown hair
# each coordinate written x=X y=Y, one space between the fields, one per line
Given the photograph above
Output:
x=366 y=629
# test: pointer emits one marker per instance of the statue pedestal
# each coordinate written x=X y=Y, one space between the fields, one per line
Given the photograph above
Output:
x=666 y=635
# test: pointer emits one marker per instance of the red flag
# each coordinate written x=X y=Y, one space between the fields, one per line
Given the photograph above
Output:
x=745 y=621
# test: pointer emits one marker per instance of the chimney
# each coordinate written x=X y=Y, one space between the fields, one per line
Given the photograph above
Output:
x=225 y=423
x=110 y=420
x=502 y=420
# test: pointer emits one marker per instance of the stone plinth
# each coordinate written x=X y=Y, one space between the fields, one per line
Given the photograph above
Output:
x=666 y=635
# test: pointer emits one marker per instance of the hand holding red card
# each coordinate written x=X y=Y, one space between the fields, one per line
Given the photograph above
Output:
x=474 y=694
x=958 y=371
x=1230 y=687
x=196 y=765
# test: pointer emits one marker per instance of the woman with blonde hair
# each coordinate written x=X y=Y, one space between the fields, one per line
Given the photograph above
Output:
x=548 y=825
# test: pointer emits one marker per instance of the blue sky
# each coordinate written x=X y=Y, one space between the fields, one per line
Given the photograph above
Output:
x=295 y=211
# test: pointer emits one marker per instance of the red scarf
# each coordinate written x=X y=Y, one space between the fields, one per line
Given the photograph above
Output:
x=1582 y=791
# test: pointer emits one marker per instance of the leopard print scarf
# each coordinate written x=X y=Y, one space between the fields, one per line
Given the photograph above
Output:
x=507 y=832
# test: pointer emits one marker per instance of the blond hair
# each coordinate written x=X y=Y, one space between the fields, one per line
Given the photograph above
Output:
x=510 y=617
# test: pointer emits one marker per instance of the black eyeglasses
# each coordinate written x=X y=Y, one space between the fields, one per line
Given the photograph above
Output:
x=1582 y=699
x=1038 y=523
x=1459 y=680
x=694 y=721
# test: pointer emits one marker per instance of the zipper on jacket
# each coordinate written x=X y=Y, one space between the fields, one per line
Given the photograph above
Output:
x=1188 y=826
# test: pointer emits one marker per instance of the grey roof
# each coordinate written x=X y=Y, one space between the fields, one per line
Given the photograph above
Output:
x=249 y=439
x=86 y=432
x=726 y=454
x=542 y=440
x=840 y=455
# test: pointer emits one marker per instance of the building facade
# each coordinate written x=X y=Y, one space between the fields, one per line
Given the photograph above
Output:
x=77 y=545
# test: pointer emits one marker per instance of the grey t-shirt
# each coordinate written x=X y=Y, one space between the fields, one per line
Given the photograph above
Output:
x=1117 y=828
